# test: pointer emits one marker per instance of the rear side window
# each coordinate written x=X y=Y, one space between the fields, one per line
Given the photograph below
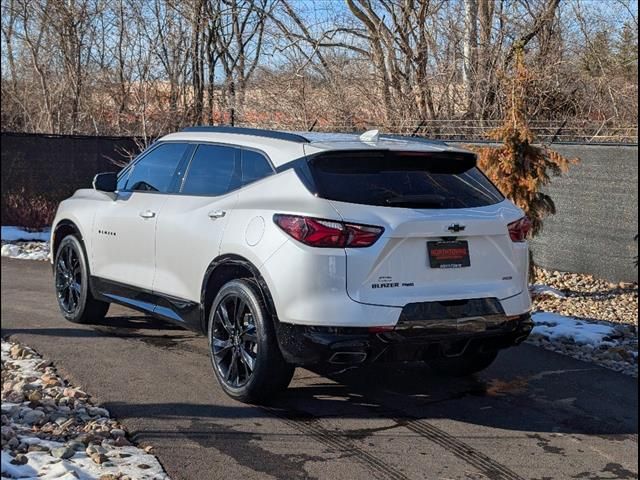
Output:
x=214 y=170
x=403 y=179
x=154 y=172
x=255 y=166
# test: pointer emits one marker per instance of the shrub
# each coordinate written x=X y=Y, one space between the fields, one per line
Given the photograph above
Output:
x=517 y=167
x=29 y=211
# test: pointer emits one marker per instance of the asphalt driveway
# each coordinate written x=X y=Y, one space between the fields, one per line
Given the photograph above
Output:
x=533 y=415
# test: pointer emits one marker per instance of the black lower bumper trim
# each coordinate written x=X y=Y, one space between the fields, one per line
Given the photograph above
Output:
x=409 y=341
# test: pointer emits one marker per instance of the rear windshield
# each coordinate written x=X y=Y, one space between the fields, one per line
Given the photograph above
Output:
x=403 y=179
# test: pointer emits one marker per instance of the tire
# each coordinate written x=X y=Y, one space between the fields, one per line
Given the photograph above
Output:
x=244 y=351
x=71 y=277
x=464 y=365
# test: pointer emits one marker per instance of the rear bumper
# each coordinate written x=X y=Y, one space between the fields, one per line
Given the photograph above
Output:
x=410 y=340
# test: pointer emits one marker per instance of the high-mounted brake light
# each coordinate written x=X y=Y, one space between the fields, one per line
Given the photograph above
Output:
x=519 y=229
x=318 y=232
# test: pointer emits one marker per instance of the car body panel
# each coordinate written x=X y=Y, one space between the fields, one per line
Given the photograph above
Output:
x=79 y=210
x=123 y=240
x=187 y=239
x=252 y=234
x=396 y=271
x=310 y=289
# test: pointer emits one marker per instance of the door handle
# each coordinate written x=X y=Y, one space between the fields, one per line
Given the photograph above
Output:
x=147 y=214
x=217 y=214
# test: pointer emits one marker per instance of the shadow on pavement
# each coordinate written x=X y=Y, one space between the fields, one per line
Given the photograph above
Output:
x=408 y=394
x=509 y=395
x=527 y=389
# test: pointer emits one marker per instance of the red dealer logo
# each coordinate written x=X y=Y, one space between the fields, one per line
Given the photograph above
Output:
x=442 y=253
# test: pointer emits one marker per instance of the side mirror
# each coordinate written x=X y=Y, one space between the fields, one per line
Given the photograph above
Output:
x=106 y=182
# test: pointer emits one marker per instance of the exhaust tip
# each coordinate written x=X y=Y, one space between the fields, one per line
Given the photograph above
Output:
x=347 y=358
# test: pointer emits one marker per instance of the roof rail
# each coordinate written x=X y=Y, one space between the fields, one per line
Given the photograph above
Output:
x=256 y=132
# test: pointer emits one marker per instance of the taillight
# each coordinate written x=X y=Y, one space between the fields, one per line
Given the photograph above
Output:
x=318 y=232
x=519 y=229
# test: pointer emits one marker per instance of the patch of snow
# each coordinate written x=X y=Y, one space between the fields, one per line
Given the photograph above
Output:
x=20 y=243
x=26 y=250
x=558 y=327
x=540 y=289
x=130 y=461
x=10 y=250
x=12 y=234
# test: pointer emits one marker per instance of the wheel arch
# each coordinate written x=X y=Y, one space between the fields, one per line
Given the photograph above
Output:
x=223 y=269
x=63 y=228
x=68 y=227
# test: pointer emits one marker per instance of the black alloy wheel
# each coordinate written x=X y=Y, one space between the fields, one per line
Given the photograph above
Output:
x=234 y=340
x=68 y=279
x=71 y=275
x=245 y=353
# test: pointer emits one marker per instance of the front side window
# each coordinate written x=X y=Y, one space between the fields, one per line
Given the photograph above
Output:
x=155 y=171
x=214 y=170
x=123 y=177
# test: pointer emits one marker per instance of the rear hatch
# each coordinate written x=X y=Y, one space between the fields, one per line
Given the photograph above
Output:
x=445 y=237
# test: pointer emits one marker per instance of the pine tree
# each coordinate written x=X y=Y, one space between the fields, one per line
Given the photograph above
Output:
x=596 y=59
x=519 y=168
x=626 y=53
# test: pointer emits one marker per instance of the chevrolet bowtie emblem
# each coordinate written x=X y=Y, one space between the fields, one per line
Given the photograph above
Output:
x=456 y=227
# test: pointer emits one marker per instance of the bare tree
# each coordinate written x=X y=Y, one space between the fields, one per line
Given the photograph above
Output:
x=434 y=67
x=33 y=34
x=71 y=22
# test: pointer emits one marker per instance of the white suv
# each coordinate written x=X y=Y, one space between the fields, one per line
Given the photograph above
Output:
x=293 y=249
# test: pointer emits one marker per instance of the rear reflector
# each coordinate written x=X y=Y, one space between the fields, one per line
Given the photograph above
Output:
x=381 y=329
x=318 y=232
x=519 y=229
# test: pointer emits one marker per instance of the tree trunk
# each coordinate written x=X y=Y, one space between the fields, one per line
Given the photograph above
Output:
x=485 y=72
x=197 y=62
x=470 y=47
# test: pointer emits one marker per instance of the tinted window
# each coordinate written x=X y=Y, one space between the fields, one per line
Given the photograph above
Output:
x=154 y=172
x=403 y=179
x=122 y=179
x=254 y=166
x=214 y=170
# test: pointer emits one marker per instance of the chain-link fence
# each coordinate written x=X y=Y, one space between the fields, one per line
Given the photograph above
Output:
x=573 y=131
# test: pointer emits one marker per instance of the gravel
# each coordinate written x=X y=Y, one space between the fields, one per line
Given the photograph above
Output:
x=587 y=302
x=587 y=297
x=50 y=429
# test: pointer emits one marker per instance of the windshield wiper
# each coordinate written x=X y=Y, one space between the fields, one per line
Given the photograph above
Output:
x=425 y=199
